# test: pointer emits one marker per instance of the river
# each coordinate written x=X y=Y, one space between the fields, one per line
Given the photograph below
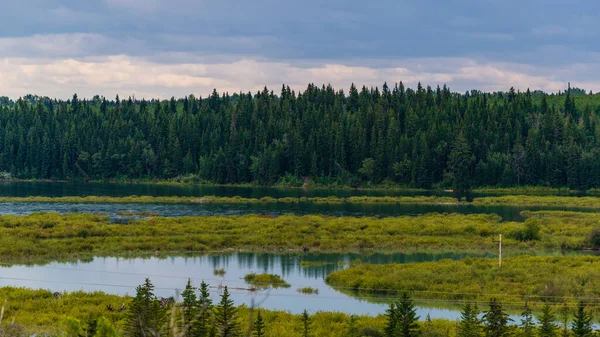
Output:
x=170 y=274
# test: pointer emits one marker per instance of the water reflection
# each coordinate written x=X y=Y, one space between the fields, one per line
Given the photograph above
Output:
x=169 y=275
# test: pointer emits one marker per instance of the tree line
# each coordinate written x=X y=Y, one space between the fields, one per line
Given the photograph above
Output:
x=419 y=137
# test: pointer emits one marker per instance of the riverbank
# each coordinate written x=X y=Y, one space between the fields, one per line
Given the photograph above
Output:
x=508 y=200
x=53 y=235
x=531 y=279
x=317 y=185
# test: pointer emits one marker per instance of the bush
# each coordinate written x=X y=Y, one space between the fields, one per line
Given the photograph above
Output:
x=593 y=239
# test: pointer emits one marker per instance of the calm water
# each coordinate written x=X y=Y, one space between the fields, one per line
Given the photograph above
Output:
x=169 y=275
x=508 y=213
x=60 y=189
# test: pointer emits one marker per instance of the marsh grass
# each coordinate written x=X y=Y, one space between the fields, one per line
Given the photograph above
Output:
x=53 y=235
x=524 y=278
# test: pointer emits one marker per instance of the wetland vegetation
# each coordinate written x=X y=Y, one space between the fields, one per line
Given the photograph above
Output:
x=56 y=235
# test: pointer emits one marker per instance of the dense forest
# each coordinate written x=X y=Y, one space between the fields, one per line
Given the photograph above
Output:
x=419 y=137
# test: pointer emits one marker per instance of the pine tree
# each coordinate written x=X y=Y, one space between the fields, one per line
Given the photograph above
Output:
x=226 y=317
x=470 y=324
x=259 y=326
x=496 y=320
x=408 y=325
x=528 y=326
x=202 y=325
x=547 y=326
x=391 y=320
x=190 y=308
x=582 y=322
x=305 y=324
x=145 y=316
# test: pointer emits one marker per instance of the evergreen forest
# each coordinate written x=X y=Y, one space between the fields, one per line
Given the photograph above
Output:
x=423 y=138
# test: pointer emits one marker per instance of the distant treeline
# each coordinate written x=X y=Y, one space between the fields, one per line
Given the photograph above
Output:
x=419 y=137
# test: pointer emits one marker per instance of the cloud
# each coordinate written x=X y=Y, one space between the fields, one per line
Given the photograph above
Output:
x=161 y=47
x=125 y=75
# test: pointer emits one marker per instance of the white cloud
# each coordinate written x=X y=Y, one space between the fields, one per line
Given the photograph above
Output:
x=126 y=75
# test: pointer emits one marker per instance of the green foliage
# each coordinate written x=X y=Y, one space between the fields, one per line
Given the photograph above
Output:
x=582 y=322
x=264 y=138
x=308 y=291
x=401 y=318
x=470 y=324
x=104 y=328
x=258 y=328
x=53 y=235
x=266 y=281
x=593 y=239
x=474 y=279
x=548 y=327
x=531 y=232
x=202 y=326
x=219 y=272
x=495 y=320
x=527 y=326
x=305 y=324
x=145 y=315
x=461 y=163
x=190 y=308
x=225 y=317
x=72 y=327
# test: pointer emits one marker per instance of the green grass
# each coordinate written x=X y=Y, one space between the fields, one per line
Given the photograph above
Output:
x=524 y=278
x=53 y=236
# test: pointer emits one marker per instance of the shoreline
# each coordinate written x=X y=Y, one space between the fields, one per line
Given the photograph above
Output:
x=529 y=190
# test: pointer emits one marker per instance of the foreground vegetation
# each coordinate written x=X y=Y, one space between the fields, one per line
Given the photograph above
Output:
x=520 y=279
x=196 y=315
x=52 y=235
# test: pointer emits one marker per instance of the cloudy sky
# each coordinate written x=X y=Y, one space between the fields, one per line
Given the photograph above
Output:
x=161 y=48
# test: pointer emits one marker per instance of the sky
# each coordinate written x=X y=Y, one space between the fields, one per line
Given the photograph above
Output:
x=164 y=48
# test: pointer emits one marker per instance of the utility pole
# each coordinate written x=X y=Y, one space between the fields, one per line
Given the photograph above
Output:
x=499 y=242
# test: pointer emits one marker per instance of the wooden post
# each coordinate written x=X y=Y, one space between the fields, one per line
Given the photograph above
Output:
x=499 y=242
x=500 y=252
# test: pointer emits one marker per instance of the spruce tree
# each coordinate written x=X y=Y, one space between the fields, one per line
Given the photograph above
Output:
x=407 y=319
x=582 y=322
x=305 y=324
x=145 y=316
x=226 y=317
x=391 y=320
x=528 y=326
x=202 y=324
x=496 y=320
x=547 y=326
x=190 y=308
x=259 y=326
x=470 y=324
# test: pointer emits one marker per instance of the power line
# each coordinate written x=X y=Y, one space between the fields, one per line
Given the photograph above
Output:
x=372 y=290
